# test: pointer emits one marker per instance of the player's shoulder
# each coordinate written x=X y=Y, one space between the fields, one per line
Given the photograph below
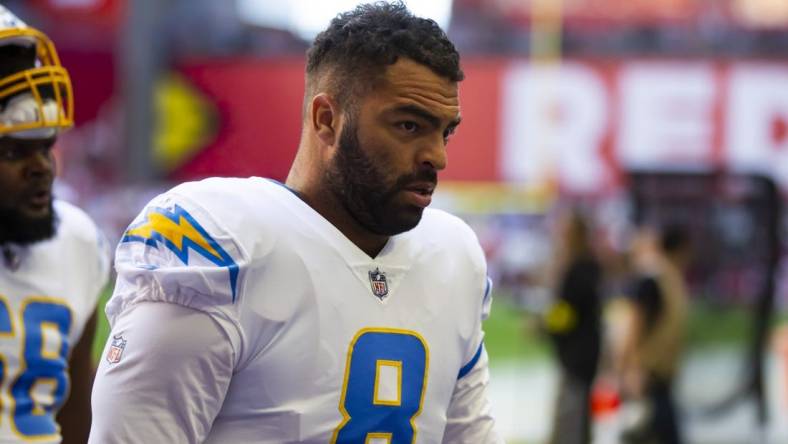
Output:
x=199 y=235
x=220 y=187
x=230 y=196
x=453 y=249
x=447 y=228
x=79 y=244
x=183 y=247
x=206 y=216
x=224 y=193
x=235 y=208
x=451 y=234
x=437 y=220
x=73 y=223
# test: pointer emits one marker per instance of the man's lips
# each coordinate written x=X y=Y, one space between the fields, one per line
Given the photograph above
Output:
x=420 y=193
x=38 y=198
x=421 y=187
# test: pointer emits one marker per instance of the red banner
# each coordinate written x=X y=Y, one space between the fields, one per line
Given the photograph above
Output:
x=258 y=104
x=576 y=124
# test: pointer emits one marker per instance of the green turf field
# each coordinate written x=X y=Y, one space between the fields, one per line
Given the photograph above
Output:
x=509 y=337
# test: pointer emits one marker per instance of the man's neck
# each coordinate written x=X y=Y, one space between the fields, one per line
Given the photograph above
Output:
x=325 y=204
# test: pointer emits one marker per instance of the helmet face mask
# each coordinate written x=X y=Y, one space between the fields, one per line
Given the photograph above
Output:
x=36 y=99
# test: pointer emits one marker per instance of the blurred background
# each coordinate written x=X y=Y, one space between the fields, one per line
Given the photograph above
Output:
x=639 y=112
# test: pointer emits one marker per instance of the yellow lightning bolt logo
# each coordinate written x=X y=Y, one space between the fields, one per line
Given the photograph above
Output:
x=180 y=233
x=173 y=232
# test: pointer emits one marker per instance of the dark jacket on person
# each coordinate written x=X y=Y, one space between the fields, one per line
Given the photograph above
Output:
x=578 y=347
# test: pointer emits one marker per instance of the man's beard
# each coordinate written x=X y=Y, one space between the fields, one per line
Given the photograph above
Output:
x=23 y=230
x=359 y=185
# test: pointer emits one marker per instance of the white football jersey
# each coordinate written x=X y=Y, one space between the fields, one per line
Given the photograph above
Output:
x=48 y=291
x=324 y=343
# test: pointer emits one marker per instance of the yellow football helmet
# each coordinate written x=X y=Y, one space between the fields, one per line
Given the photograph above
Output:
x=36 y=99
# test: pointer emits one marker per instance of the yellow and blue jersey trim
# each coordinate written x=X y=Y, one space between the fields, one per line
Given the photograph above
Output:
x=472 y=363
x=487 y=289
x=177 y=230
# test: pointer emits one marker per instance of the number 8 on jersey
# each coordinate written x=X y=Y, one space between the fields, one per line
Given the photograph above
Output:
x=383 y=391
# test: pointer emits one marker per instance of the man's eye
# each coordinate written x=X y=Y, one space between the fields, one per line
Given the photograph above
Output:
x=409 y=127
x=11 y=153
x=447 y=134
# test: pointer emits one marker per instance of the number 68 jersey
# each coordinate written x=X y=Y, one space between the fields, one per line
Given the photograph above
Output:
x=48 y=291
x=241 y=315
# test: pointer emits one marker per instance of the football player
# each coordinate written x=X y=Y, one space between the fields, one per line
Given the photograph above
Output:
x=53 y=263
x=333 y=308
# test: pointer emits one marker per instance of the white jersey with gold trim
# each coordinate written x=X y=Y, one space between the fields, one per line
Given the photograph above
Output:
x=241 y=315
x=48 y=291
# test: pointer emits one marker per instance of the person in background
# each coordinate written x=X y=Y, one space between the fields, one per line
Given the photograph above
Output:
x=573 y=324
x=54 y=262
x=654 y=332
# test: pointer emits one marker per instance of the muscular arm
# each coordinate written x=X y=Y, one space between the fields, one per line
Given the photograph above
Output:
x=170 y=381
x=74 y=416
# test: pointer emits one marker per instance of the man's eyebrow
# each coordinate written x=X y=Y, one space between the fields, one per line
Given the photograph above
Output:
x=426 y=115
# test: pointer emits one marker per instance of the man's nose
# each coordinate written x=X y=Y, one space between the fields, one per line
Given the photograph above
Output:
x=40 y=164
x=433 y=154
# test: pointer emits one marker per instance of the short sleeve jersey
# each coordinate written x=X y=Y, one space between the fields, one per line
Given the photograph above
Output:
x=330 y=344
x=48 y=291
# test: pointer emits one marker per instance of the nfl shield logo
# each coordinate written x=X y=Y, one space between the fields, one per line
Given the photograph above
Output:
x=380 y=287
x=116 y=349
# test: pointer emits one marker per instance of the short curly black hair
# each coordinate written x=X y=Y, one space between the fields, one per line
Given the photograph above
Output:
x=358 y=45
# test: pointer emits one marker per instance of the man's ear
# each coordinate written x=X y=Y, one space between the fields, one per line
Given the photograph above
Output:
x=324 y=119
